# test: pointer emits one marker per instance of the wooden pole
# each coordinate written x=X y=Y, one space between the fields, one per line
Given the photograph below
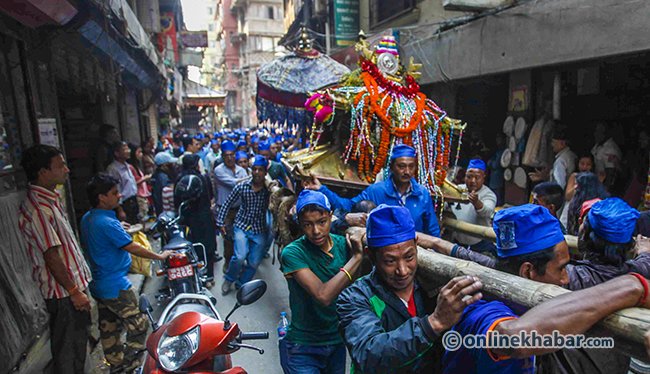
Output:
x=487 y=232
x=626 y=326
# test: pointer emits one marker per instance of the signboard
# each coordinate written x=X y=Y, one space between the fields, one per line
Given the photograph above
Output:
x=346 y=22
x=47 y=131
x=194 y=39
x=189 y=57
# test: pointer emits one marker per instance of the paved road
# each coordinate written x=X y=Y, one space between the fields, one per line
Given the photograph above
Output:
x=260 y=316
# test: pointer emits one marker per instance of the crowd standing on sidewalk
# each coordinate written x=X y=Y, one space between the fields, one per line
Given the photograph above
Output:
x=384 y=320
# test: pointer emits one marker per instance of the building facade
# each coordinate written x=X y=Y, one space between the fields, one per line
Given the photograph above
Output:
x=260 y=25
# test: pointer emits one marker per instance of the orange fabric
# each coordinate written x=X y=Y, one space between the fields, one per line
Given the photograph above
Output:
x=494 y=324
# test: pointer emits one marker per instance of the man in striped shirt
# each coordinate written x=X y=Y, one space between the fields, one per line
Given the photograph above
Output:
x=57 y=261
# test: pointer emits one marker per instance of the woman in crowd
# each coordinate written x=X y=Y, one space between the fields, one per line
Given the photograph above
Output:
x=587 y=187
x=141 y=179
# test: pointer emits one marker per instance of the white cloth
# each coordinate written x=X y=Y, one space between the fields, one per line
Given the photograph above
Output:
x=606 y=155
x=469 y=214
x=538 y=151
x=563 y=166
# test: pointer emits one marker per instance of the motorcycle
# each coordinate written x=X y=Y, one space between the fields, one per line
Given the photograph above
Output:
x=183 y=269
x=192 y=338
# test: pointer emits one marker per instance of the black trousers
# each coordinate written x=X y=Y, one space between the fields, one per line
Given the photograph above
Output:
x=68 y=336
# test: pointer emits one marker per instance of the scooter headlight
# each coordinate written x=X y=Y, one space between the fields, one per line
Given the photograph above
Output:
x=175 y=351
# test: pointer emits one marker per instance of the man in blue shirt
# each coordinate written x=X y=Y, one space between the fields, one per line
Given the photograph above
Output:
x=108 y=248
x=400 y=189
x=530 y=244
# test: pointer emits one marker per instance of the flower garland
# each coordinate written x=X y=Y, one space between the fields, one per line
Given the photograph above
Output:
x=384 y=114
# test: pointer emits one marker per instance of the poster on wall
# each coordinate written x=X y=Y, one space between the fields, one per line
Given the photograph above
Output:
x=518 y=99
x=47 y=131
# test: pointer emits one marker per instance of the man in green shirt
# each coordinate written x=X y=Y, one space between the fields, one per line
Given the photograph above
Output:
x=317 y=266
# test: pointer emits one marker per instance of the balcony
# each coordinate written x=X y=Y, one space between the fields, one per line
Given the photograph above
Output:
x=261 y=26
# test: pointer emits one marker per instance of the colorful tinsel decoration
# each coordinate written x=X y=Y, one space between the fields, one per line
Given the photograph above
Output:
x=386 y=112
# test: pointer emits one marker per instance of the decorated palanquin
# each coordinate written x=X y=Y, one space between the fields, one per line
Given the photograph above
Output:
x=358 y=122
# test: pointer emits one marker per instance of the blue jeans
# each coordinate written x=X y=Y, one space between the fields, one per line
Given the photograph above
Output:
x=269 y=235
x=313 y=359
x=247 y=256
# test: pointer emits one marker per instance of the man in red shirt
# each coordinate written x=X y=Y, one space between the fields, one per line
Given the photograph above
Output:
x=57 y=261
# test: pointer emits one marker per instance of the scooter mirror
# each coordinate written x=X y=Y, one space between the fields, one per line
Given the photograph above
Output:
x=144 y=304
x=251 y=291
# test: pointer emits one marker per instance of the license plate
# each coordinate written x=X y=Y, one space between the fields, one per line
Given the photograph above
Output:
x=182 y=272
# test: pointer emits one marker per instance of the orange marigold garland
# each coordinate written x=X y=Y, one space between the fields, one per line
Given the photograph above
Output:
x=385 y=113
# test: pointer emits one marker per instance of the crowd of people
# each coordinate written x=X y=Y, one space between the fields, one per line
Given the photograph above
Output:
x=351 y=274
x=133 y=185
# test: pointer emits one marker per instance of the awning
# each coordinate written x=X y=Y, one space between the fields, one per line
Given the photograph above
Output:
x=533 y=34
x=36 y=13
x=196 y=94
x=143 y=75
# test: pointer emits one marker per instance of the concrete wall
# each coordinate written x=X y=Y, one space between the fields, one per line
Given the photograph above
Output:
x=533 y=34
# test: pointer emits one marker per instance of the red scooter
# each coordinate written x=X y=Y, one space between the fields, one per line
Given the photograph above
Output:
x=194 y=339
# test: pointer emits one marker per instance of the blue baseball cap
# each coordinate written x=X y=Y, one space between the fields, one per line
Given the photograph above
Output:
x=264 y=146
x=228 y=146
x=308 y=197
x=241 y=143
x=162 y=158
x=261 y=161
x=525 y=229
x=240 y=155
x=613 y=220
x=477 y=163
x=402 y=150
x=388 y=224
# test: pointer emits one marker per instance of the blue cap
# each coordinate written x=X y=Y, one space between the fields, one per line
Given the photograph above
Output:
x=525 y=229
x=477 y=163
x=308 y=197
x=233 y=136
x=214 y=141
x=162 y=158
x=241 y=143
x=278 y=139
x=240 y=155
x=264 y=146
x=613 y=220
x=228 y=146
x=260 y=161
x=402 y=150
x=388 y=224
x=199 y=136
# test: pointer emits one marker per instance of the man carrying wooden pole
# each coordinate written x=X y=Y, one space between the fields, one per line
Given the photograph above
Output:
x=541 y=257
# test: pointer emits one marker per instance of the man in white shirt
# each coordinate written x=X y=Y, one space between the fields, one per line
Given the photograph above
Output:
x=607 y=154
x=482 y=202
x=119 y=169
x=565 y=159
x=564 y=163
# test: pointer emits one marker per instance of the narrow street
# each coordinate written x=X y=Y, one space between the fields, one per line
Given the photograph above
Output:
x=260 y=316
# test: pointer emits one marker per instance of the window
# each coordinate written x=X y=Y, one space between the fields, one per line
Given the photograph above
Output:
x=212 y=44
x=261 y=43
x=269 y=12
x=211 y=27
x=210 y=10
x=384 y=11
